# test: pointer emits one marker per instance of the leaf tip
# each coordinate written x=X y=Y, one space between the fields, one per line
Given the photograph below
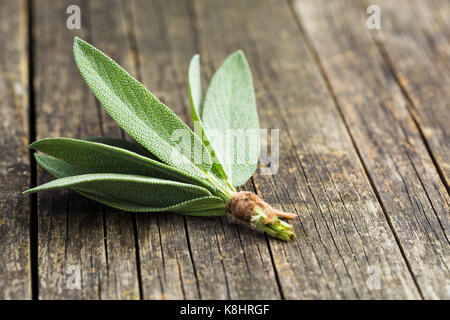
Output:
x=237 y=57
x=40 y=144
x=77 y=40
x=195 y=62
x=38 y=157
x=241 y=56
x=78 y=45
x=238 y=53
x=33 y=145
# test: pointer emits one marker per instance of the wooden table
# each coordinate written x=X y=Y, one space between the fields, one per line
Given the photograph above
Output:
x=364 y=126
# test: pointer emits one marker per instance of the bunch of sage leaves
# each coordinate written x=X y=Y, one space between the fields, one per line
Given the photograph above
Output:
x=155 y=174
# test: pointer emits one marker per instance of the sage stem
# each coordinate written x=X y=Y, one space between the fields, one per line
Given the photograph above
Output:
x=276 y=228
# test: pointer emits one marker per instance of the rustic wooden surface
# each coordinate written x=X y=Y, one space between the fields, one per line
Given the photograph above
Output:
x=403 y=175
x=15 y=173
x=363 y=121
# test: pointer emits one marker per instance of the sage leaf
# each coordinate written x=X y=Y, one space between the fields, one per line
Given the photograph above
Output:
x=230 y=119
x=123 y=144
x=155 y=194
x=195 y=176
x=196 y=99
x=203 y=206
x=137 y=111
x=186 y=208
x=195 y=88
x=94 y=157
x=59 y=168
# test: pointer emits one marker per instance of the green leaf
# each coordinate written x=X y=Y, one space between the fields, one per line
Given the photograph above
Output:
x=195 y=88
x=196 y=98
x=230 y=120
x=204 y=206
x=59 y=168
x=146 y=119
x=94 y=157
x=123 y=144
x=207 y=206
x=187 y=208
x=133 y=193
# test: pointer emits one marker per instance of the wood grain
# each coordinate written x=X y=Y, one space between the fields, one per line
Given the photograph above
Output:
x=363 y=151
x=75 y=232
x=342 y=232
x=388 y=140
x=15 y=269
x=417 y=50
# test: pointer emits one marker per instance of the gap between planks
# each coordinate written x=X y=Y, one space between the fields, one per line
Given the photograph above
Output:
x=33 y=165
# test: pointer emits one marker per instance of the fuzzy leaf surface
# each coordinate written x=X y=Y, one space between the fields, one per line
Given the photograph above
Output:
x=137 y=111
x=96 y=157
x=203 y=206
x=196 y=98
x=59 y=168
x=137 y=191
x=123 y=144
x=195 y=88
x=230 y=119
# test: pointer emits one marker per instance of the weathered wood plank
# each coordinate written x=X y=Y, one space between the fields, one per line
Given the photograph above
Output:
x=76 y=233
x=376 y=113
x=15 y=274
x=342 y=233
x=418 y=52
x=193 y=257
